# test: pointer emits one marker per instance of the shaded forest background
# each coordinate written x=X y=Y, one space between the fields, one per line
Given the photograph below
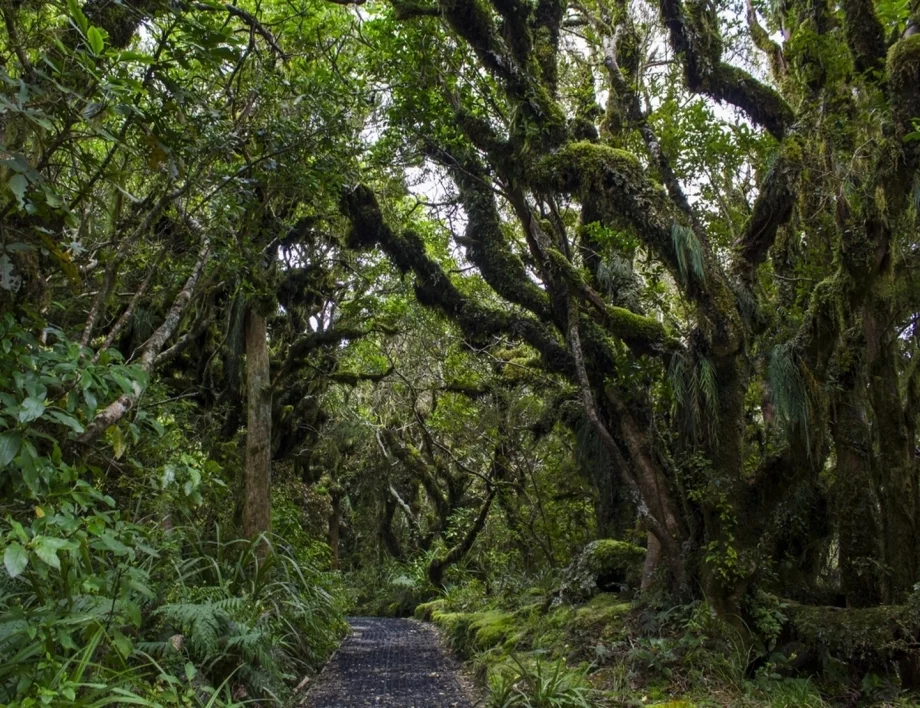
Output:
x=587 y=330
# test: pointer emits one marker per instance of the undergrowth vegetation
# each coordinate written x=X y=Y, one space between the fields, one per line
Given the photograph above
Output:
x=122 y=587
x=530 y=650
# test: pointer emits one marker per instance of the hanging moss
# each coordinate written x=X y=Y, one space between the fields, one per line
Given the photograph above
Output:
x=773 y=207
x=703 y=31
x=864 y=34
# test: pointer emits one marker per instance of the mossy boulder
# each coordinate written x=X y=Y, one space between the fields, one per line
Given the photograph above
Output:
x=425 y=611
x=605 y=565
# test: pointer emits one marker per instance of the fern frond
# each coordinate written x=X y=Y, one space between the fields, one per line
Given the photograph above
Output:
x=709 y=390
x=790 y=393
x=689 y=253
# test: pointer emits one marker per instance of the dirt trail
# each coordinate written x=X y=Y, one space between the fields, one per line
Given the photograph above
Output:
x=390 y=662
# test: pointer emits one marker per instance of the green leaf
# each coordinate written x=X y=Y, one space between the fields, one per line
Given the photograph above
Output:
x=77 y=13
x=136 y=56
x=18 y=185
x=133 y=612
x=31 y=409
x=96 y=40
x=67 y=420
x=114 y=545
x=15 y=559
x=9 y=447
x=122 y=643
x=127 y=386
x=47 y=548
x=118 y=442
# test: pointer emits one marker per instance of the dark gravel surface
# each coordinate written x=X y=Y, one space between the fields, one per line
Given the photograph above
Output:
x=390 y=662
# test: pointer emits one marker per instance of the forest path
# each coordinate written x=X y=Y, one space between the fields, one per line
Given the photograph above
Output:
x=390 y=662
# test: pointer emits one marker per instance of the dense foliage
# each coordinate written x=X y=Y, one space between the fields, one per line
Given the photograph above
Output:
x=587 y=330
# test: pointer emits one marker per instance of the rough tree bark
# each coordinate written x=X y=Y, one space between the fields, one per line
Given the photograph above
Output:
x=257 y=473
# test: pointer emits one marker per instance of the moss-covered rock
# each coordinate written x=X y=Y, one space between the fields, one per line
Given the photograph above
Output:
x=425 y=612
x=604 y=565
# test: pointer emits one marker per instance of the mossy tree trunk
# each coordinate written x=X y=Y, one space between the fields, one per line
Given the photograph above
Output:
x=853 y=493
x=896 y=462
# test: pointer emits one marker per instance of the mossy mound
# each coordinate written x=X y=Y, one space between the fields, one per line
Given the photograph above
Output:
x=472 y=632
x=604 y=617
x=605 y=565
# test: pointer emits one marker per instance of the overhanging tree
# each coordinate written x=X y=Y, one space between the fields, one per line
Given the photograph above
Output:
x=504 y=100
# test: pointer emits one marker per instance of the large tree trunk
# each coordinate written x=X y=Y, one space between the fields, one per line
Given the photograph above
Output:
x=855 y=502
x=727 y=572
x=335 y=525
x=898 y=482
x=257 y=475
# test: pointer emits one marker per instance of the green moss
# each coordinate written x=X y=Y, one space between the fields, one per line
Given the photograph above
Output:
x=583 y=166
x=492 y=628
x=426 y=610
x=904 y=76
x=473 y=632
x=604 y=565
x=608 y=555
x=605 y=617
x=629 y=326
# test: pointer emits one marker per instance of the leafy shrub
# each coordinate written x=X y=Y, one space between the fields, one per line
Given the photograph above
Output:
x=106 y=595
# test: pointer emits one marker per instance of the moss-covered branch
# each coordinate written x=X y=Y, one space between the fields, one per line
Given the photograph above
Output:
x=642 y=334
x=433 y=287
x=864 y=33
x=774 y=203
x=314 y=340
x=488 y=249
x=694 y=35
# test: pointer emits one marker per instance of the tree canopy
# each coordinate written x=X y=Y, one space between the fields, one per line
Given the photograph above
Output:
x=318 y=304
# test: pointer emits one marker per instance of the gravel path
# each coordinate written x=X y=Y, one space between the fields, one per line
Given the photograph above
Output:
x=390 y=662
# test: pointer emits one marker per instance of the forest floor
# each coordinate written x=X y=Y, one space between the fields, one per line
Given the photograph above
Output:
x=390 y=662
